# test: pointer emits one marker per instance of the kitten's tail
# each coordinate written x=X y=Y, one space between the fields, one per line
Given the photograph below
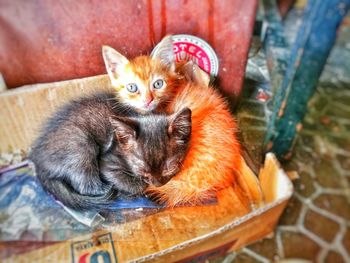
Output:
x=72 y=199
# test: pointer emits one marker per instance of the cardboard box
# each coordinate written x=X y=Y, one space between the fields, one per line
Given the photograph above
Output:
x=180 y=234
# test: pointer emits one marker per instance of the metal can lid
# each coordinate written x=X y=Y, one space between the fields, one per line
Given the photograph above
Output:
x=192 y=48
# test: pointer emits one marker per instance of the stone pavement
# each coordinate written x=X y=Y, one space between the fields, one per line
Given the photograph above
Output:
x=315 y=227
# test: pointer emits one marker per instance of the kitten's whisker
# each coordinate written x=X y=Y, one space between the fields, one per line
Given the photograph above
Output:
x=111 y=99
x=127 y=173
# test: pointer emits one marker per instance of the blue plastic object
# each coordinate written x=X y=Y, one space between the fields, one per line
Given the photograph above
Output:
x=27 y=212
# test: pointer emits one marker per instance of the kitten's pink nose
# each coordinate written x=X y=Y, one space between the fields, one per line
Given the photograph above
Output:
x=148 y=100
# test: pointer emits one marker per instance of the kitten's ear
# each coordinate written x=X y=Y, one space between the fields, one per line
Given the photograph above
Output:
x=124 y=129
x=180 y=124
x=194 y=73
x=165 y=52
x=114 y=62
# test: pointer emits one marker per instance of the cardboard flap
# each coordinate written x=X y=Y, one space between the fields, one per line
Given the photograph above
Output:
x=274 y=183
x=23 y=110
x=250 y=184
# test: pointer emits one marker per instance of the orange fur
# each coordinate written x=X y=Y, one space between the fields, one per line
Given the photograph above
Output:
x=146 y=70
x=213 y=161
x=214 y=154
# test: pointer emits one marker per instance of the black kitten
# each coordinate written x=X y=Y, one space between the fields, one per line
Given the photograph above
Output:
x=95 y=149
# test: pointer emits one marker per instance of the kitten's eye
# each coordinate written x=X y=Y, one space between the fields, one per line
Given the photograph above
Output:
x=132 y=87
x=158 y=84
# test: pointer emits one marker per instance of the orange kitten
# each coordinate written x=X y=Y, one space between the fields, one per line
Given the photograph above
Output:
x=213 y=161
x=143 y=83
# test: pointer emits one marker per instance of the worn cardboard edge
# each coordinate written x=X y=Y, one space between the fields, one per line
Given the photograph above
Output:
x=217 y=232
x=24 y=110
x=255 y=213
x=46 y=86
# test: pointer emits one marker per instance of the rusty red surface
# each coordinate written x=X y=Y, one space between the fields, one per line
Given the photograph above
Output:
x=52 y=40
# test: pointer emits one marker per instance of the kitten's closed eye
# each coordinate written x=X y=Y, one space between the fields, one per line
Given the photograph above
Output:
x=172 y=168
x=181 y=142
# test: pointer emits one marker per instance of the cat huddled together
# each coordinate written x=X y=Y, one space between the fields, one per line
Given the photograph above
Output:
x=161 y=132
x=157 y=84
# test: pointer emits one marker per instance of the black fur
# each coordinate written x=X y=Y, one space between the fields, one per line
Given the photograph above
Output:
x=95 y=149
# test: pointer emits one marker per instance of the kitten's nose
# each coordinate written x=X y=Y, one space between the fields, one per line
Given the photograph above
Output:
x=148 y=100
x=151 y=180
x=147 y=175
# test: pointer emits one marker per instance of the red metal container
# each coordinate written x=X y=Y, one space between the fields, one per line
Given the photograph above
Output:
x=52 y=40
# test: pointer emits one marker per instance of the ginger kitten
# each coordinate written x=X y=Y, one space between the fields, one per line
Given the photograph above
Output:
x=155 y=83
